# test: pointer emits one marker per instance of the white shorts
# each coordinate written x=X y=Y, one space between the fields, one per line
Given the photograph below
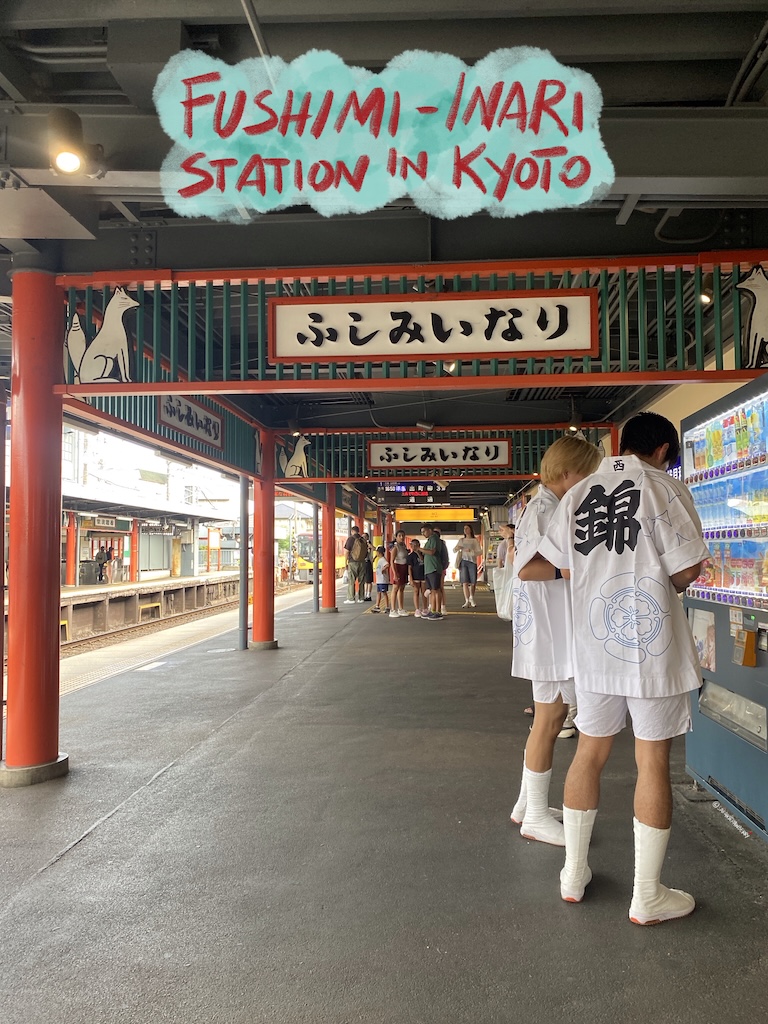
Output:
x=547 y=693
x=653 y=718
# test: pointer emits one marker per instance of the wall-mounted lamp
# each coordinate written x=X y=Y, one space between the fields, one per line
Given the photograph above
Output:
x=707 y=293
x=294 y=428
x=574 y=423
x=69 y=153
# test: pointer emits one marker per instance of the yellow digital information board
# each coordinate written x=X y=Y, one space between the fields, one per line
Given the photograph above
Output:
x=435 y=515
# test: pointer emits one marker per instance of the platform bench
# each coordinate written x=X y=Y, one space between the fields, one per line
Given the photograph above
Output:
x=150 y=605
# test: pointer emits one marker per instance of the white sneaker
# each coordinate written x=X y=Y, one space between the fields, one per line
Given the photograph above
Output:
x=349 y=602
x=472 y=603
x=403 y=612
x=443 y=610
x=417 y=614
x=393 y=614
x=465 y=605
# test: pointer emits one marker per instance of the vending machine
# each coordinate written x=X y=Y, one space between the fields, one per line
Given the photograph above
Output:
x=724 y=465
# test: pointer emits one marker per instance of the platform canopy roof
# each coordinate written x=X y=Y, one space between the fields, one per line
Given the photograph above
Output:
x=685 y=116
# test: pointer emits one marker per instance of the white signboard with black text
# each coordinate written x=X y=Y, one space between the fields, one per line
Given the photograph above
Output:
x=501 y=325
x=416 y=454
x=191 y=418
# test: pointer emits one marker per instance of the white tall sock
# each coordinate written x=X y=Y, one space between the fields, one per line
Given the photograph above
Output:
x=518 y=811
x=652 y=902
x=538 y=823
x=576 y=875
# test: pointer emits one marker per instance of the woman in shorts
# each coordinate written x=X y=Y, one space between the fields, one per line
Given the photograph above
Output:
x=416 y=575
x=398 y=573
x=470 y=549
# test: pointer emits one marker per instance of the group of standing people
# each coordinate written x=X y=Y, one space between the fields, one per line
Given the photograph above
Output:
x=600 y=556
x=424 y=567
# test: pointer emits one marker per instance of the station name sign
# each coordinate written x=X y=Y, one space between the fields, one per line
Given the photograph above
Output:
x=325 y=329
x=190 y=418
x=515 y=133
x=418 y=454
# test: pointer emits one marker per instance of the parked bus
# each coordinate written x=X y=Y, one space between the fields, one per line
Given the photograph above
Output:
x=305 y=556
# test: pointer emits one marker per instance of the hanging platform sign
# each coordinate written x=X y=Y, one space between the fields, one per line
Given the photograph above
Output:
x=503 y=325
x=515 y=133
x=191 y=418
x=416 y=454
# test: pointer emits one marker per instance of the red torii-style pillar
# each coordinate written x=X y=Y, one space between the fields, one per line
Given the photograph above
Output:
x=263 y=630
x=34 y=599
x=328 y=531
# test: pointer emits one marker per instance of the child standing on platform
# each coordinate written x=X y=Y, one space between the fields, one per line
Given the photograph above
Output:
x=381 y=571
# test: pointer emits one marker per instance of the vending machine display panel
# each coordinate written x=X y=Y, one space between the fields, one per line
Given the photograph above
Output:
x=725 y=465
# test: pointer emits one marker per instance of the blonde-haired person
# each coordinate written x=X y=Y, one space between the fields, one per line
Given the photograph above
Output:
x=542 y=641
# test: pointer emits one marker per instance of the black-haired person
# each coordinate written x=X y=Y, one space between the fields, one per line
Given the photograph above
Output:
x=381 y=572
x=542 y=642
x=368 y=582
x=416 y=577
x=433 y=571
x=630 y=540
x=398 y=573
x=445 y=564
x=470 y=549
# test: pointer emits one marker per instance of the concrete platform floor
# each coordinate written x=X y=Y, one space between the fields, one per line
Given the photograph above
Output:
x=320 y=833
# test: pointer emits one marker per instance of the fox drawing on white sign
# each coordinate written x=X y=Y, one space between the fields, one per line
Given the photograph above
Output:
x=297 y=464
x=754 y=349
x=108 y=355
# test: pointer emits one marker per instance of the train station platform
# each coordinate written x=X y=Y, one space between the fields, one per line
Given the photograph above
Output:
x=320 y=833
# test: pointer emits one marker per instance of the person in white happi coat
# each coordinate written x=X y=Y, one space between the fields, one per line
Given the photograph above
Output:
x=541 y=646
x=630 y=539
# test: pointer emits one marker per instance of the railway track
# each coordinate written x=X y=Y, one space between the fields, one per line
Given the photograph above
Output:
x=116 y=636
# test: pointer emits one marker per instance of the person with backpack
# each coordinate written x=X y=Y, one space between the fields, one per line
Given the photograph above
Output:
x=357 y=555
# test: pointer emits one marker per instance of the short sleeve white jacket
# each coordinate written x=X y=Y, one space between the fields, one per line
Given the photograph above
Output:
x=623 y=532
x=541 y=644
